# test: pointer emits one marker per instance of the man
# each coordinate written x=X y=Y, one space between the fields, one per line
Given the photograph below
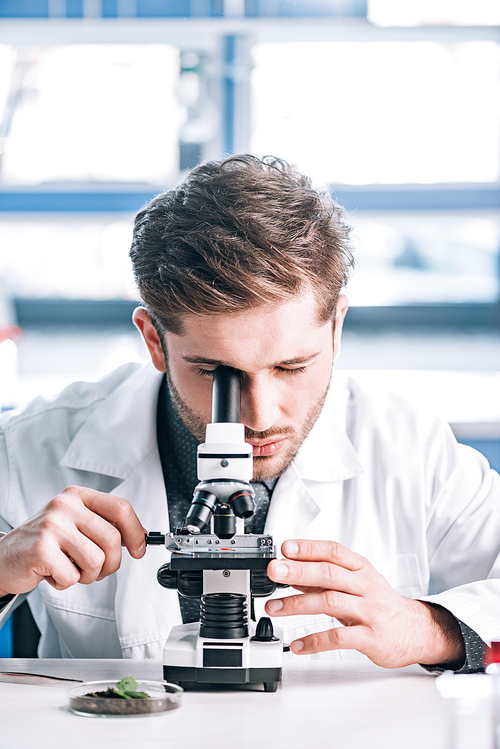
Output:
x=243 y=265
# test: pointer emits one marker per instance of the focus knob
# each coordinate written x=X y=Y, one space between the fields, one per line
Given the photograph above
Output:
x=264 y=631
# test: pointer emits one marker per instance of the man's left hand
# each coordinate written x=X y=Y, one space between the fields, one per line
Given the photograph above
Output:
x=391 y=630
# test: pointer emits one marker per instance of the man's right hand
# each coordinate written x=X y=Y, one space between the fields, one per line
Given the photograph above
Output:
x=76 y=538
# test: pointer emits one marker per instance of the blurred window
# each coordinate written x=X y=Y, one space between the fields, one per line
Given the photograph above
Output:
x=60 y=255
x=413 y=258
x=411 y=111
x=437 y=12
x=90 y=112
x=380 y=112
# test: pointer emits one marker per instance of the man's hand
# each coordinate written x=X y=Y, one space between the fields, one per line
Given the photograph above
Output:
x=391 y=630
x=76 y=538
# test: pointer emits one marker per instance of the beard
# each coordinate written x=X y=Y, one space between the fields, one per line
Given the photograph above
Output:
x=265 y=468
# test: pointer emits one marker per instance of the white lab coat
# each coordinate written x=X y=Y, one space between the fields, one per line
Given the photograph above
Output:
x=386 y=481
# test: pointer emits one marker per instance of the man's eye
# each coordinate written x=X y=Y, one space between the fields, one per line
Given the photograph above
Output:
x=205 y=372
x=296 y=370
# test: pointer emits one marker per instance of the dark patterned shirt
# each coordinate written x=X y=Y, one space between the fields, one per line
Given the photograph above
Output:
x=474 y=653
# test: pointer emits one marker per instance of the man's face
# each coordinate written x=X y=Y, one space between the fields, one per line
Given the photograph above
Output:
x=285 y=356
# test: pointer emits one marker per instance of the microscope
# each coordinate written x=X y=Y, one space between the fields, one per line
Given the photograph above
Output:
x=226 y=568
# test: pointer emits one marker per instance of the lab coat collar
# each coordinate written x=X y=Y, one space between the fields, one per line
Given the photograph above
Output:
x=327 y=454
x=121 y=432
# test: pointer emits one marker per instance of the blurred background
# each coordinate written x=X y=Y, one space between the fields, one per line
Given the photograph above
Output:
x=392 y=105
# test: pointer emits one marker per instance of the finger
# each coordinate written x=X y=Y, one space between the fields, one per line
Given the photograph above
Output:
x=321 y=575
x=341 y=606
x=57 y=568
x=120 y=513
x=317 y=551
x=94 y=557
x=337 y=638
x=95 y=545
x=29 y=557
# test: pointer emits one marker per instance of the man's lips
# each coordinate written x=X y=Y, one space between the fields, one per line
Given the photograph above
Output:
x=263 y=449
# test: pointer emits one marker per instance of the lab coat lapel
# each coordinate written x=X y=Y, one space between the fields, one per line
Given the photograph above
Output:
x=121 y=432
x=291 y=510
x=313 y=483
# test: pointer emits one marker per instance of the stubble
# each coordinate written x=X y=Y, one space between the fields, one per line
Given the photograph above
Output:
x=265 y=468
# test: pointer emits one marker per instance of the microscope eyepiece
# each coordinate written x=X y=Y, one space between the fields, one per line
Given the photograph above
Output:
x=226 y=394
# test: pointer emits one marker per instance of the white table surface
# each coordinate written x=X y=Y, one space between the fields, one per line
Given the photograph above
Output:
x=338 y=704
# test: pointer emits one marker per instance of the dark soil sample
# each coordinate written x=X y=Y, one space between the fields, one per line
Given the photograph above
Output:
x=114 y=694
x=94 y=703
x=123 y=699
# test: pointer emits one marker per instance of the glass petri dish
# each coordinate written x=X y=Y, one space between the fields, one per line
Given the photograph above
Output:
x=84 y=699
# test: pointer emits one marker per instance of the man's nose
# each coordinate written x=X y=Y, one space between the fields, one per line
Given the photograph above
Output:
x=260 y=408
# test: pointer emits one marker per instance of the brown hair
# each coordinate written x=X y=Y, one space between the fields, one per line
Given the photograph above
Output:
x=235 y=234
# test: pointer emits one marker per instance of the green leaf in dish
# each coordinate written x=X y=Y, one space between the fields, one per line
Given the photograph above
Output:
x=127 y=687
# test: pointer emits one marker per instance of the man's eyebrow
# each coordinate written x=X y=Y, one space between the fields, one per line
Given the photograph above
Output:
x=219 y=363
x=298 y=360
x=203 y=360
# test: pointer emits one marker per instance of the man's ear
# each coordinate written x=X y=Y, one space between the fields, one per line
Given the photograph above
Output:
x=146 y=328
x=340 y=313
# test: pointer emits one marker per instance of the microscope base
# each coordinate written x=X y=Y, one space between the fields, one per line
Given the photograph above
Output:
x=270 y=677
x=189 y=658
